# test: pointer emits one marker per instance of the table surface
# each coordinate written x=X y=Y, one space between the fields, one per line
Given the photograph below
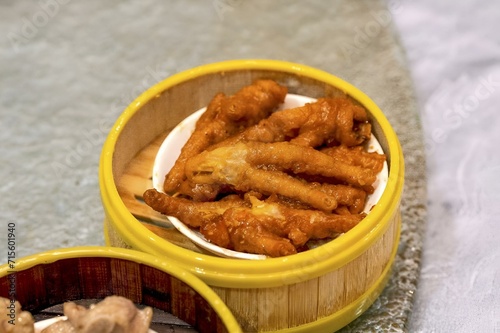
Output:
x=453 y=52
x=68 y=69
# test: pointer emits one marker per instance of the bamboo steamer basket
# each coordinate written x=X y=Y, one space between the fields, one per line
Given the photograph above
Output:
x=51 y=278
x=319 y=290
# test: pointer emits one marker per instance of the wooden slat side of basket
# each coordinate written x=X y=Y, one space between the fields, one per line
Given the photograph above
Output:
x=272 y=309
x=45 y=285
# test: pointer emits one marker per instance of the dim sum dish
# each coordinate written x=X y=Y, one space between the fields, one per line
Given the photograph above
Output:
x=277 y=184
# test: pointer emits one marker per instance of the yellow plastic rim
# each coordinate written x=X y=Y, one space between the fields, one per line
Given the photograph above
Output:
x=134 y=256
x=272 y=272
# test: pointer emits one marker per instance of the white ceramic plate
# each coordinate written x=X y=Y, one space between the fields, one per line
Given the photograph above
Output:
x=41 y=325
x=171 y=148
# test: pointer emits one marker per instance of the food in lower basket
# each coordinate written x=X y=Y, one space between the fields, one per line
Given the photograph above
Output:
x=114 y=314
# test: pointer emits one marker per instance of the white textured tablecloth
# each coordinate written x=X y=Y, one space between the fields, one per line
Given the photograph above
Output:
x=453 y=49
x=68 y=68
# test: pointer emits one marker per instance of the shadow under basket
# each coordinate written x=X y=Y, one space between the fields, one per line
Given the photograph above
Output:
x=49 y=279
x=319 y=290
